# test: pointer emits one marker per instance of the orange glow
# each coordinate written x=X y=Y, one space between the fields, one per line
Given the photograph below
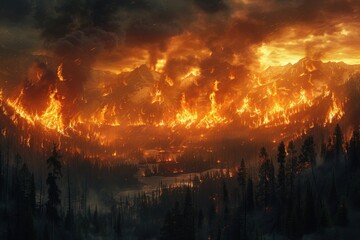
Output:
x=60 y=73
x=51 y=118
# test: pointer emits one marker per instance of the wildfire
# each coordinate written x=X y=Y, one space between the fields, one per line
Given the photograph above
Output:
x=51 y=118
x=213 y=117
x=335 y=112
x=60 y=73
x=156 y=95
x=264 y=101
x=185 y=117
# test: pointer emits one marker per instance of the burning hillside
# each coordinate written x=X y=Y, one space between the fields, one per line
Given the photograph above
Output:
x=146 y=105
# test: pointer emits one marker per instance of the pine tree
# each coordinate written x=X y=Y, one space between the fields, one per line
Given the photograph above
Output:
x=250 y=195
x=291 y=168
x=242 y=177
x=329 y=154
x=266 y=186
x=338 y=143
x=54 y=164
x=281 y=173
x=307 y=156
x=354 y=150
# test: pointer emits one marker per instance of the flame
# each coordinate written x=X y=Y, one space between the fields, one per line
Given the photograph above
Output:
x=51 y=118
x=60 y=73
x=213 y=117
x=335 y=112
x=263 y=102
x=156 y=95
x=186 y=116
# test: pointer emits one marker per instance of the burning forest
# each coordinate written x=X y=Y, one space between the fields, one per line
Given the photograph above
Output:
x=218 y=119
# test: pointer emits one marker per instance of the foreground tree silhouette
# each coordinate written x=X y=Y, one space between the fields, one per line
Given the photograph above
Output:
x=266 y=185
x=307 y=156
x=354 y=150
x=291 y=168
x=54 y=165
x=338 y=144
x=281 y=174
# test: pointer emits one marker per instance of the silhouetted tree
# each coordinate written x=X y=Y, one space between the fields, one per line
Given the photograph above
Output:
x=281 y=174
x=291 y=168
x=329 y=152
x=242 y=176
x=354 y=150
x=307 y=156
x=266 y=186
x=54 y=165
x=250 y=195
x=338 y=143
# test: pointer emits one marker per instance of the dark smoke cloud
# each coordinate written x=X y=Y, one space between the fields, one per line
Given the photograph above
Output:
x=15 y=11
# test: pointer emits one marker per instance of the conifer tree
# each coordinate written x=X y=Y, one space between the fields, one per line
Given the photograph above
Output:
x=338 y=143
x=354 y=150
x=250 y=195
x=281 y=173
x=266 y=186
x=54 y=165
x=307 y=156
x=291 y=168
x=242 y=176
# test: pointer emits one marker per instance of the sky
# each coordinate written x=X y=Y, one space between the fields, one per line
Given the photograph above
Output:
x=119 y=35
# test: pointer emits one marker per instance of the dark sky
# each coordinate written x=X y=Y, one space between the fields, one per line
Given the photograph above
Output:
x=121 y=34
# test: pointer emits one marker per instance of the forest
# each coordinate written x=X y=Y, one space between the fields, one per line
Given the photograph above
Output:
x=310 y=191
